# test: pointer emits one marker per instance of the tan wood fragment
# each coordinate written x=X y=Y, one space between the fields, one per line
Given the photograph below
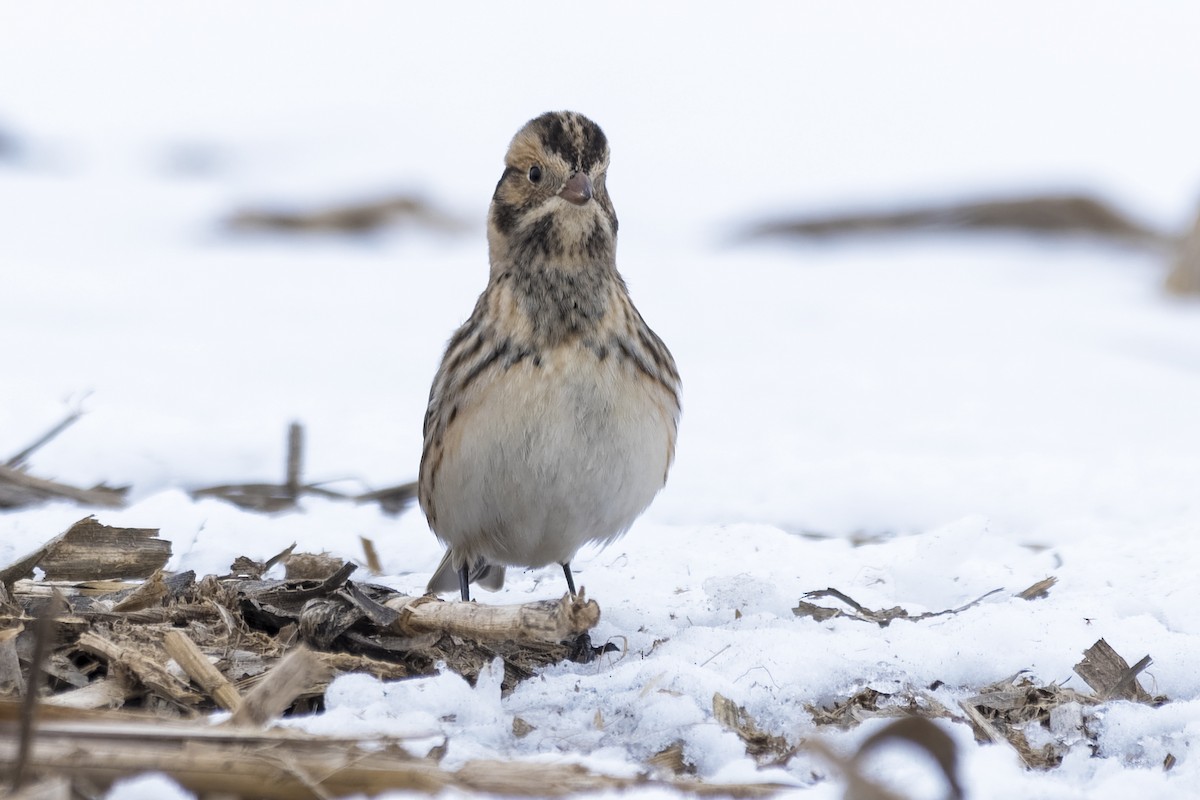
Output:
x=311 y=566
x=108 y=692
x=151 y=593
x=286 y=765
x=545 y=621
x=197 y=666
x=48 y=788
x=349 y=662
x=1038 y=590
x=92 y=551
x=984 y=729
x=763 y=747
x=289 y=679
x=152 y=674
x=29 y=588
x=371 y=556
x=1110 y=675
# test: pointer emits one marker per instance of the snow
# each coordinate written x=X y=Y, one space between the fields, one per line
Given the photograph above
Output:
x=983 y=412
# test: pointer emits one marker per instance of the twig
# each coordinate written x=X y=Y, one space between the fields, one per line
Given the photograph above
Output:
x=20 y=458
x=295 y=459
x=37 y=489
x=43 y=632
x=192 y=661
x=714 y=655
x=1127 y=677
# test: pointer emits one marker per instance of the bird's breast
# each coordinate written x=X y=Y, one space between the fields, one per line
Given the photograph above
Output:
x=553 y=452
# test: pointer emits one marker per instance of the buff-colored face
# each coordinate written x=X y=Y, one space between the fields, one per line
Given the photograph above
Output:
x=551 y=202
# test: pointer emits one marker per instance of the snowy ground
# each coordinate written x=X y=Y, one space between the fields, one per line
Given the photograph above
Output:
x=990 y=412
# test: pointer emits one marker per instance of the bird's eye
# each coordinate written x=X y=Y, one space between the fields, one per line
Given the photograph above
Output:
x=535 y=174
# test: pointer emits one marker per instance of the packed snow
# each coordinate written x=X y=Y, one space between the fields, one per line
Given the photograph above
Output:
x=915 y=422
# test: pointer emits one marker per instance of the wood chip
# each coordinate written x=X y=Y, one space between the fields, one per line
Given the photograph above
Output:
x=150 y=593
x=670 y=759
x=92 y=551
x=1110 y=675
x=371 y=556
x=111 y=692
x=149 y=670
x=549 y=621
x=1038 y=590
x=290 y=678
x=197 y=666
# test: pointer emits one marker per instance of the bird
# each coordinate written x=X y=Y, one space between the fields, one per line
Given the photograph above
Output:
x=553 y=415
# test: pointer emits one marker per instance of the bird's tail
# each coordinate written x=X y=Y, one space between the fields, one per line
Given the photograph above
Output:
x=445 y=577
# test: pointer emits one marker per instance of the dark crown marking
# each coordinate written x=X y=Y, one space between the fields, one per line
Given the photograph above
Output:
x=573 y=137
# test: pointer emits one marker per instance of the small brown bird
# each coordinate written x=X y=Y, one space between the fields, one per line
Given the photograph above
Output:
x=552 y=418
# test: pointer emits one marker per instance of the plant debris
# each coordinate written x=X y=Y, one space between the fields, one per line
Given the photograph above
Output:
x=96 y=748
x=765 y=749
x=1109 y=675
x=881 y=617
x=1042 y=722
x=116 y=640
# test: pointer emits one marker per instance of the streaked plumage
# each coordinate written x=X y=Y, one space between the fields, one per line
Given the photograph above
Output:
x=552 y=419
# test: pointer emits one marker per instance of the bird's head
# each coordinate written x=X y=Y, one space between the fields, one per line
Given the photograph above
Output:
x=551 y=206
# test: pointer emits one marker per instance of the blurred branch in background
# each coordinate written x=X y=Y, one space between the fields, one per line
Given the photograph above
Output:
x=351 y=218
x=18 y=488
x=272 y=497
x=1063 y=215
x=1058 y=216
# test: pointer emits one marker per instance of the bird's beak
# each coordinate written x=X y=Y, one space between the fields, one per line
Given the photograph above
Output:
x=578 y=189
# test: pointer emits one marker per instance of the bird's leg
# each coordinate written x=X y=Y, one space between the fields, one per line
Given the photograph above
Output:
x=464 y=583
x=570 y=579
